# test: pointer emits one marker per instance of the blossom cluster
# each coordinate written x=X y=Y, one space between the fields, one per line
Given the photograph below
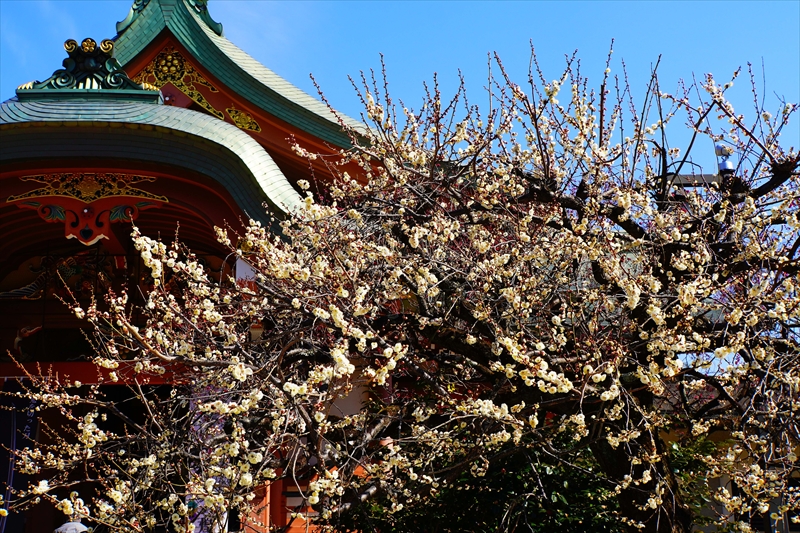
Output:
x=467 y=287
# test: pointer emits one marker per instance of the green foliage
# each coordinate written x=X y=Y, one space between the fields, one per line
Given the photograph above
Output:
x=687 y=457
x=530 y=491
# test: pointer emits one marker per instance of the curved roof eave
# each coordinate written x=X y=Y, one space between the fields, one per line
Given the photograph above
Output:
x=226 y=61
x=271 y=182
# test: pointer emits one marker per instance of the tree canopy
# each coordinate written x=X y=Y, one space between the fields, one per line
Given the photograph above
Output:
x=546 y=284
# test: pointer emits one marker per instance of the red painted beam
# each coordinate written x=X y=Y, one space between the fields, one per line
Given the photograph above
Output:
x=88 y=373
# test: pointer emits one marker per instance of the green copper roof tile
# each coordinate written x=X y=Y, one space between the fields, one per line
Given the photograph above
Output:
x=261 y=180
x=196 y=154
x=227 y=62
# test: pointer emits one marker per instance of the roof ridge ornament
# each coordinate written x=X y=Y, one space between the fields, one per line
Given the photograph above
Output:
x=88 y=66
x=201 y=8
x=136 y=8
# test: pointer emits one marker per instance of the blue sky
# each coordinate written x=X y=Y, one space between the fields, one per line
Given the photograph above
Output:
x=335 y=39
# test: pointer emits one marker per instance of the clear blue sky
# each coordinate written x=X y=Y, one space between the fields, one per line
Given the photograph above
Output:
x=335 y=39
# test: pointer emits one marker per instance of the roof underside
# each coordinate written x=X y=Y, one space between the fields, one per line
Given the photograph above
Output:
x=162 y=127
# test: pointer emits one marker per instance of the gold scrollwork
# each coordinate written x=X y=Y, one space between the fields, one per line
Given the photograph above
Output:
x=169 y=66
x=243 y=119
x=87 y=187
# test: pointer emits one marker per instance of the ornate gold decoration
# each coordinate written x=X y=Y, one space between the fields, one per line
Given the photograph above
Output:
x=88 y=66
x=87 y=187
x=169 y=66
x=88 y=45
x=87 y=203
x=243 y=119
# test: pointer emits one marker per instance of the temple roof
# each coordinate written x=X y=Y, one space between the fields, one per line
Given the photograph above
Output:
x=266 y=182
x=210 y=134
x=190 y=23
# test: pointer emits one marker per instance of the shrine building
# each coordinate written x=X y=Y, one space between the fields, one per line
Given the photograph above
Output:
x=167 y=125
